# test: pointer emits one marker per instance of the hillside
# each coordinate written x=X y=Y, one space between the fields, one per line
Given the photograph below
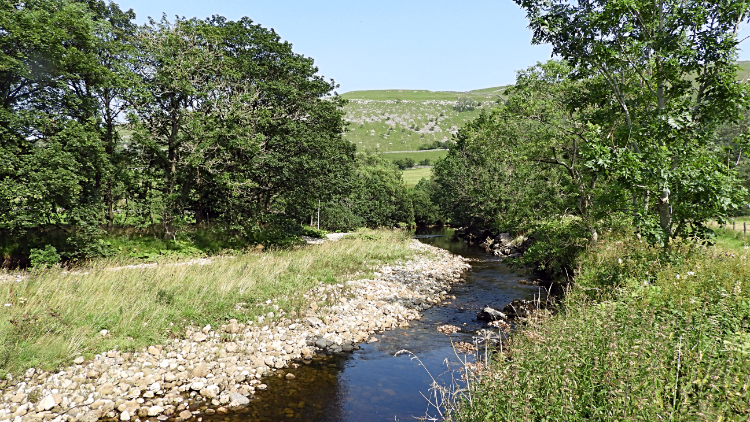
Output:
x=404 y=120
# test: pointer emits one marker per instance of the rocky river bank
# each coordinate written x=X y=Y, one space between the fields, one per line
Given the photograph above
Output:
x=215 y=369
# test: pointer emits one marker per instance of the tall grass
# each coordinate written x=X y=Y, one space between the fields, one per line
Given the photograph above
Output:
x=644 y=334
x=54 y=316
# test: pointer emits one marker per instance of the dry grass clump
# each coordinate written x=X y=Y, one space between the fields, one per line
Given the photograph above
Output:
x=51 y=316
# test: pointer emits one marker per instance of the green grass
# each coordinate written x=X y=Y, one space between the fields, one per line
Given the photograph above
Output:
x=54 y=316
x=412 y=177
x=404 y=120
x=644 y=334
x=418 y=156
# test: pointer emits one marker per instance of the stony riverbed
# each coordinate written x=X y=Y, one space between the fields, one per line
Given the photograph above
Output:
x=216 y=369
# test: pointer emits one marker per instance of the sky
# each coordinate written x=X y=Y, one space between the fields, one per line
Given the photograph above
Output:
x=438 y=45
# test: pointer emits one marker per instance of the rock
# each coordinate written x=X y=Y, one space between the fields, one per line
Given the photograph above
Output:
x=155 y=410
x=233 y=327
x=125 y=416
x=49 y=401
x=79 y=360
x=315 y=321
x=210 y=392
x=105 y=389
x=239 y=399
x=18 y=398
x=197 y=386
x=154 y=351
x=199 y=337
x=200 y=371
x=321 y=343
x=261 y=387
x=290 y=376
x=90 y=416
x=490 y=314
x=186 y=414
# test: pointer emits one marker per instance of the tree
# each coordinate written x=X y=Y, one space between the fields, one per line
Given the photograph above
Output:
x=662 y=78
x=238 y=124
x=52 y=155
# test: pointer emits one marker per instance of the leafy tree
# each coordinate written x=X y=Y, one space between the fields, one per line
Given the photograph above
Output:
x=425 y=211
x=486 y=180
x=662 y=78
x=53 y=157
x=377 y=197
x=238 y=124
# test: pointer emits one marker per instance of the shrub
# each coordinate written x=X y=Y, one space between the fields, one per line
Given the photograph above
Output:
x=44 y=258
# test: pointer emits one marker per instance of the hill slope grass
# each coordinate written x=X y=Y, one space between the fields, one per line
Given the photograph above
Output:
x=645 y=334
x=404 y=120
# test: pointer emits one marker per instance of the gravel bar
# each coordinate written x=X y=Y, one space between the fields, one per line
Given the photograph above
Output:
x=223 y=367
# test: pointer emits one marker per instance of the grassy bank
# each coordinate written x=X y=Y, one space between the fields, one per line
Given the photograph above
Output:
x=643 y=335
x=413 y=176
x=54 y=316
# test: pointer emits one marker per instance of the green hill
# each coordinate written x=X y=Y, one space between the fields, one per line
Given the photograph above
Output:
x=405 y=120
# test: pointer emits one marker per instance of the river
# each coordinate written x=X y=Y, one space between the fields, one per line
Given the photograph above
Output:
x=371 y=384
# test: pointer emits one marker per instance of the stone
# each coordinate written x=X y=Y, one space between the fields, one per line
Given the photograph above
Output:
x=125 y=416
x=199 y=337
x=155 y=411
x=18 y=398
x=90 y=416
x=79 y=360
x=197 y=385
x=105 y=389
x=49 y=401
x=154 y=351
x=233 y=327
x=489 y=313
x=185 y=414
x=239 y=399
x=210 y=392
x=290 y=376
x=200 y=371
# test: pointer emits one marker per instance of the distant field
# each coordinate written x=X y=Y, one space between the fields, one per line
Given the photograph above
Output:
x=412 y=177
x=417 y=156
x=414 y=95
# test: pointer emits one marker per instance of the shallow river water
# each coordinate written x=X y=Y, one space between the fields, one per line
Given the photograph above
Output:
x=371 y=384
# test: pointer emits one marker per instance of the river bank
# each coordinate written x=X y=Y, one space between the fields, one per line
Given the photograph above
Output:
x=222 y=367
x=644 y=333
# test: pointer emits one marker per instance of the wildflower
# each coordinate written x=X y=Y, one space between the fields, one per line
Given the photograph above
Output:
x=619 y=261
x=678 y=276
x=690 y=273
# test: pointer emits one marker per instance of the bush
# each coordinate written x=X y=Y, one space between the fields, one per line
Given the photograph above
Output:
x=465 y=104
x=405 y=163
x=44 y=258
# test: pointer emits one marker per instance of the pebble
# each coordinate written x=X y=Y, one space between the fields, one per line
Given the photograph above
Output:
x=169 y=381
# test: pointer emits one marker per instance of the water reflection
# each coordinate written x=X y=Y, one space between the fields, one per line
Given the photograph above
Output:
x=372 y=384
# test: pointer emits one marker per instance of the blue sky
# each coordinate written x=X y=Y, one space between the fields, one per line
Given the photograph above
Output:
x=440 y=45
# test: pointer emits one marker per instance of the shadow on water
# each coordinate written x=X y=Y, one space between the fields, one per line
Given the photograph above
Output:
x=371 y=384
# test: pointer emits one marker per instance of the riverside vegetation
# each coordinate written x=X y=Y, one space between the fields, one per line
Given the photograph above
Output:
x=611 y=161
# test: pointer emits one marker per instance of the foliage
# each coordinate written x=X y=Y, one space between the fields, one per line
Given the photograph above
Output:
x=405 y=163
x=44 y=258
x=485 y=181
x=659 y=77
x=377 y=197
x=645 y=333
x=436 y=145
x=425 y=211
x=226 y=125
x=464 y=104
